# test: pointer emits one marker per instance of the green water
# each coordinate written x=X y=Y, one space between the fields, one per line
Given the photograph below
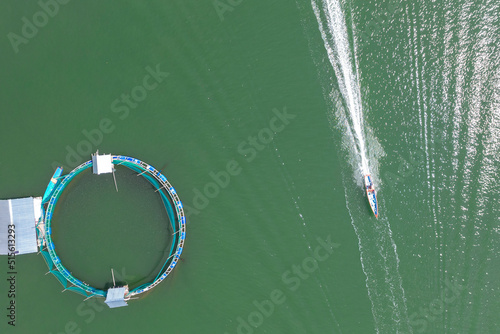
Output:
x=286 y=243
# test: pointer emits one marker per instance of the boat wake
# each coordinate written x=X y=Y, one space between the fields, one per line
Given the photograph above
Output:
x=334 y=33
x=378 y=252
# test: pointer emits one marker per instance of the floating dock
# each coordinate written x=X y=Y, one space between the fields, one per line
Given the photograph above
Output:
x=19 y=219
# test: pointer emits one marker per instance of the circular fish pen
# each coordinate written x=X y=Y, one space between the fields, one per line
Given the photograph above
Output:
x=172 y=204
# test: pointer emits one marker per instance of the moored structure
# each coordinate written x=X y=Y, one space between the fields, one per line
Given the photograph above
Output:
x=19 y=219
x=32 y=218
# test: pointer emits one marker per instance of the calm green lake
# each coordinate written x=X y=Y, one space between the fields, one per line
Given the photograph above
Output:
x=264 y=115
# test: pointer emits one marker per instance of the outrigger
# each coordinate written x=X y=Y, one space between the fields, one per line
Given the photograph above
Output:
x=371 y=193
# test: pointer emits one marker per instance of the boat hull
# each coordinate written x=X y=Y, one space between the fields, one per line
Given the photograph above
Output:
x=371 y=194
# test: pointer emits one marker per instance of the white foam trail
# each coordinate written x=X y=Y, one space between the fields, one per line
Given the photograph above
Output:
x=378 y=251
x=337 y=45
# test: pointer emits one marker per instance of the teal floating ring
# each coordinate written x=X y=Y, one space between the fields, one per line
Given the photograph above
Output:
x=168 y=195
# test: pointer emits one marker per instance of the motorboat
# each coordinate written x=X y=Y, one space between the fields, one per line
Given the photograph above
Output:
x=371 y=193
